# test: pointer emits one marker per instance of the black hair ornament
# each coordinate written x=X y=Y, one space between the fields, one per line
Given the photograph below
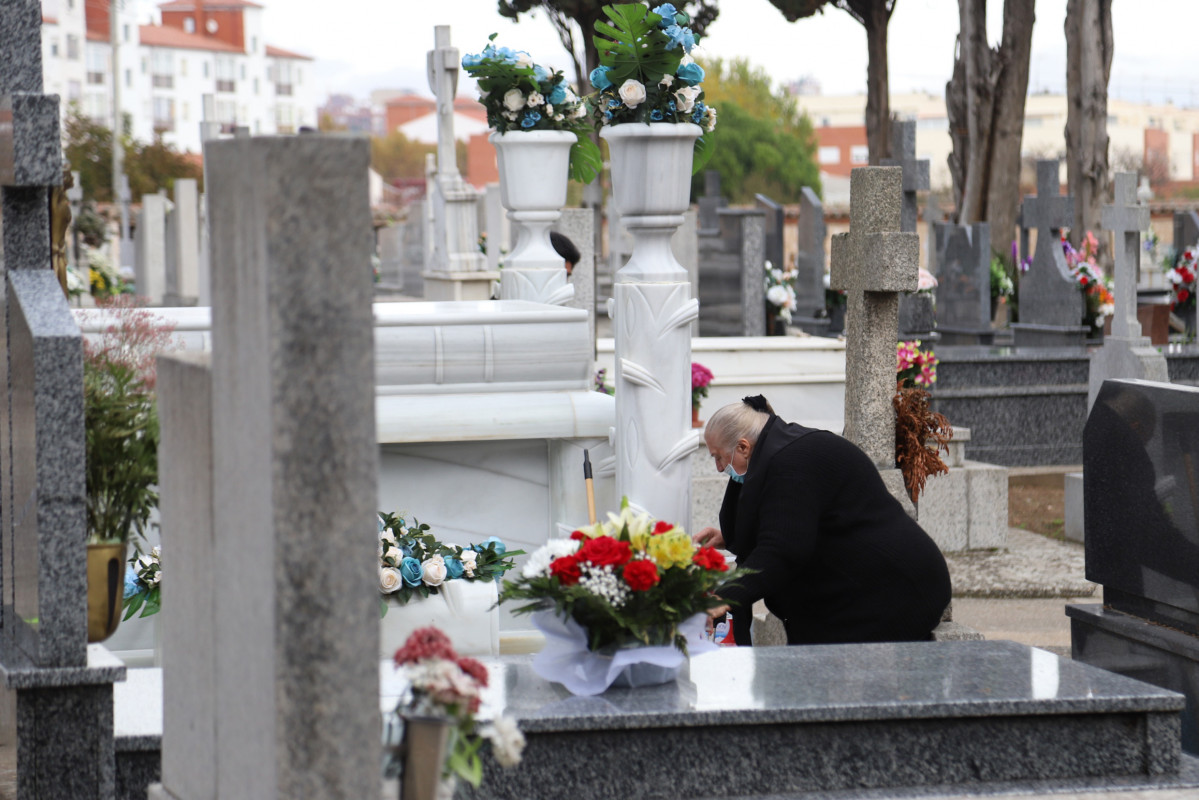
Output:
x=758 y=403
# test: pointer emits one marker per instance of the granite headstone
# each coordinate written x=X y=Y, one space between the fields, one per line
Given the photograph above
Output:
x=963 y=283
x=810 y=315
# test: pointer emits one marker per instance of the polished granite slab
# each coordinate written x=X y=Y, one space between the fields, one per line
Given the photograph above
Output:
x=774 y=721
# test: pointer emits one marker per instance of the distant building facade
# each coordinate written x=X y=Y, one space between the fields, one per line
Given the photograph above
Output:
x=201 y=47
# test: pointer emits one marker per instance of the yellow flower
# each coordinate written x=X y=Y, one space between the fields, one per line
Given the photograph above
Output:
x=671 y=549
x=639 y=526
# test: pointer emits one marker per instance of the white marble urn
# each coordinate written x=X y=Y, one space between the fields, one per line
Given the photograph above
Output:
x=651 y=166
x=533 y=167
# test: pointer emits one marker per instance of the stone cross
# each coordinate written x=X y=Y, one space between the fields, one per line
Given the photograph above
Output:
x=64 y=722
x=873 y=262
x=915 y=171
x=443 y=82
x=1126 y=353
x=1051 y=306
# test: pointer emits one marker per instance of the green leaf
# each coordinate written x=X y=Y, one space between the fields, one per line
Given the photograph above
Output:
x=705 y=146
x=633 y=46
x=133 y=604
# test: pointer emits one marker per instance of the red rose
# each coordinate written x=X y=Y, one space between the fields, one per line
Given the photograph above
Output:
x=662 y=527
x=1183 y=294
x=566 y=569
x=1082 y=279
x=474 y=669
x=710 y=558
x=578 y=535
x=640 y=575
x=425 y=643
x=604 y=551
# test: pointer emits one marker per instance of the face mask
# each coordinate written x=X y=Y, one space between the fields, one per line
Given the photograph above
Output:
x=732 y=473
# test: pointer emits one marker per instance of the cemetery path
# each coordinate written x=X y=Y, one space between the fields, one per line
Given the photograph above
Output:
x=1031 y=566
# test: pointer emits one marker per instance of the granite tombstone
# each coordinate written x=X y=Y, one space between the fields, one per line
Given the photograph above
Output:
x=963 y=282
x=810 y=314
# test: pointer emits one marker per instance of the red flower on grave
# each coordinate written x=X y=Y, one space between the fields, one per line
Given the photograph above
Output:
x=662 y=527
x=710 y=558
x=604 y=551
x=1083 y=280
x=578 y=536
x=1183 y=294
x=474 y=669
x=566 y=569
x=641 y=574
x=425 y=643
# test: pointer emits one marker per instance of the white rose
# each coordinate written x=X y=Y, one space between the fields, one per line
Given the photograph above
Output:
x=711 y=118
x=535 y=99
x=580 y=111
x=514 y=100
x=777 y=296
x=523 y=59
x=510 y=115
x=434 y=571
x=632 y=93
x=666 y=81
x=157 y=577
x=468 y=562
x=559 y=118
x=389 y=537
x=549 y=110
x=389 y=579
x=684 y=98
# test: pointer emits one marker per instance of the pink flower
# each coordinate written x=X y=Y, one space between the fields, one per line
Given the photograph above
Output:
x=701 y=376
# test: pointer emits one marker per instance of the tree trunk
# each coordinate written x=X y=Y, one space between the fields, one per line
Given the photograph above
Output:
x=1007 y=129
x=975 y=56
x=1088 y=68
x=875 y=19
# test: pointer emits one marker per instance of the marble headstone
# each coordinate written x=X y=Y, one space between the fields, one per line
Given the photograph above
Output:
x=183 y=240
x=576 y=224
x=150 y=270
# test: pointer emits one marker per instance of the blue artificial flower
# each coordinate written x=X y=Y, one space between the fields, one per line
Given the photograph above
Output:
x=670 y=106
x=473 y=60
x=690 y=74
x=530 y=119
x=599 y=78
x=379 y=520
x=495 y=544
x=656 y=115
x=558 y=95
x=406 y=550
x=453 y=568
x=680 y=36
x=607 y=116
x=132 y=585
x=699 y=113
x=410 y=571
x=541 y=74
x=667 y=12
x=613 y=103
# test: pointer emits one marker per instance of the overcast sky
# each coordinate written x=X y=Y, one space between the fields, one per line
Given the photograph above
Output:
x=374 y=44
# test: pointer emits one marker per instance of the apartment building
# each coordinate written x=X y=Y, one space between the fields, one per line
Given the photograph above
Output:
x=200 y=47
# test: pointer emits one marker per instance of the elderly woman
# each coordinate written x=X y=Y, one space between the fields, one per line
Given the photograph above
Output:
x=836 y=557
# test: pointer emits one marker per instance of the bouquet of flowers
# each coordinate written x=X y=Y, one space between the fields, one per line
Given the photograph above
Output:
x=1001 y=283
x=143 y=584
x=104 y=279
x=913 y=366
x=1096 y=287
x=646 y=72
x=522 y=96
x=1182 y=281
x=920 y=433
x=627 y=581
x=701 y=378
x=780 y=291
x=443 y=684
x=413 y=563
x=926 y=282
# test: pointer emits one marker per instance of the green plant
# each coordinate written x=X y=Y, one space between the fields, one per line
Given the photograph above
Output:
x=143 y=584
x=121 y=422
x=646 y=73
x=522 y=96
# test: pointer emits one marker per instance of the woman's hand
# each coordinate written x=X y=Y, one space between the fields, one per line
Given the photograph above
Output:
x=709 y=537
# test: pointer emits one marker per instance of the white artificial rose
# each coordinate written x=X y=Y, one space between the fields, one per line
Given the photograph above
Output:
x=535 y=99
x=559 y=118
x=433 y=571
x=389 y=579
x=666 y=81
x=507 y=742
x=523 y=59
x=684 y=99
x=510 y=115
x=389 y=537
x=549 y=110
x=580 y=111
x=468 y=562
x=711 y=118
x=632 y=93
x=777 y=296
x=514 y=100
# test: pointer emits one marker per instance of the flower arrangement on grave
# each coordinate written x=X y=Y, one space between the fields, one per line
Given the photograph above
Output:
x=1182 y=281
x=121 y=420
x=646 y=72
x=926 y=282
x=413 y=563
x=1002 y=285
x=701 y=379
x=104 y=279
x=444 y=685
x=520 y=95
x=780 y=291
x=601 y=382
x=833 y=298
x=920 y=433
x=1095 y=286
x=629 y=580
x=143 y=584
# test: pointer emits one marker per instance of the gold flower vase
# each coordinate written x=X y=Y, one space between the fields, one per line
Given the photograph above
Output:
x=105 y=589
x=426 y=740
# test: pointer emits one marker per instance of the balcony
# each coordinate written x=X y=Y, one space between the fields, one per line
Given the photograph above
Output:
x=95 y=78
x=283 y=89
x=228 y=86
x=163 y=81
x=164 y=125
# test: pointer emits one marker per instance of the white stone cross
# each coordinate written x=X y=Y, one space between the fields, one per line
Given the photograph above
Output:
x=1126 y=218
x=873 y=262
x=443 y=81
x=915 y=171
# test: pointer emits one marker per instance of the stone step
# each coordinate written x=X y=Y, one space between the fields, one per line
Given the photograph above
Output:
x=883 y=718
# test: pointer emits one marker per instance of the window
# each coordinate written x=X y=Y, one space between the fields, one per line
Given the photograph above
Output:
x=226 y=115
x=283 y=78
x=145 y=65
x=299 y=75
x=183 y=67
x=183 y=112
x=829 y=155
x=125 y=33
x=933 y=123
x=255 y=86
x=97 y=66
x=859 y=154
x=253 y=44
x=226 y=73
x=189 y=24
x=128 y=78
x=72 y=47
x=54 y=47
x=205 y=69
x=95 y=106
x=164 y=114
x=74 y=90
x=162 y=64
x=285 y=119
x=243 y=72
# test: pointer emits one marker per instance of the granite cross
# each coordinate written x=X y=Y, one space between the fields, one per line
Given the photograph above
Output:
x=915 y=171
x=873 y=262
x=1048 y=293
x=1126 y=218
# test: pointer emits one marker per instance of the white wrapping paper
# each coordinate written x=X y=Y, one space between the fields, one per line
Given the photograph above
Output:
x=565 y=658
